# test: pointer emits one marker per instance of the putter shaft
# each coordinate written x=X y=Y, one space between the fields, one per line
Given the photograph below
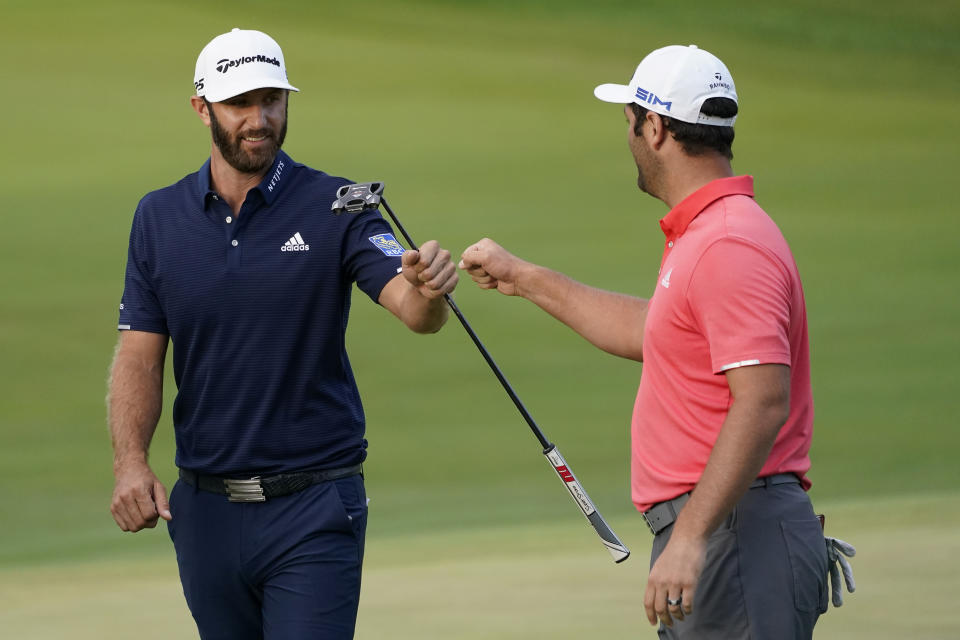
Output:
x=546 y=444
x=617 y=549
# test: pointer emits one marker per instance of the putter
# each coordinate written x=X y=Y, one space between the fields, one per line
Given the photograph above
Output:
x=354 y=198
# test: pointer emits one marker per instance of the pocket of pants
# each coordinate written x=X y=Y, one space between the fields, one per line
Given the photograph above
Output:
x=171 y=498
x=353 y=498
x=808 y=562
x=354 y=501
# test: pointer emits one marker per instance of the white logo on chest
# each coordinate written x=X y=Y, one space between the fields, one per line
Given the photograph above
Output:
x=665 y=281
x=295 y=243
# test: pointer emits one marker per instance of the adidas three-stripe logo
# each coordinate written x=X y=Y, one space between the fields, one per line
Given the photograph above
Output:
x=295 y=243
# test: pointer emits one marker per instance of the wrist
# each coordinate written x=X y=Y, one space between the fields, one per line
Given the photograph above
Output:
x=690 y=529
x=525 y=278
x=127 y=461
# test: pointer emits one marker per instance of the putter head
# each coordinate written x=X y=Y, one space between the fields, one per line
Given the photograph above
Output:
x=354 y=198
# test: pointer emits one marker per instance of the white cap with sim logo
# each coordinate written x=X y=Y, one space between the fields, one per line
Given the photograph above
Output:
x=675 y=81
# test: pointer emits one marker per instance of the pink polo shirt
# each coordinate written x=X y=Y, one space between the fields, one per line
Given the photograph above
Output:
x=729 y=295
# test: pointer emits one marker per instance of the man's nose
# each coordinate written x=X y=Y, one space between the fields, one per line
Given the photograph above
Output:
x=257 y=117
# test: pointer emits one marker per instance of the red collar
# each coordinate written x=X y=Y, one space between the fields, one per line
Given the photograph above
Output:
x=680 y=217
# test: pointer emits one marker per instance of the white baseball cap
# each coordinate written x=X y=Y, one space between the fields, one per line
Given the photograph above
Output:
x=675 y=81
x=237 y=62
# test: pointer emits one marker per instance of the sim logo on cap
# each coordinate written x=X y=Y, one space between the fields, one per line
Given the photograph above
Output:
x=651 y=98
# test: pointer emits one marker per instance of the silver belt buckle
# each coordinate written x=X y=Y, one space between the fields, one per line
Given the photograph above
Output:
x=244 y=490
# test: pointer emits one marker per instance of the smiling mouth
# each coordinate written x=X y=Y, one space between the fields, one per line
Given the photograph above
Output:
x=252 y=139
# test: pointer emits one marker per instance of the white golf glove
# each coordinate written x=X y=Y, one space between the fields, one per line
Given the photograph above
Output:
x=836 y=550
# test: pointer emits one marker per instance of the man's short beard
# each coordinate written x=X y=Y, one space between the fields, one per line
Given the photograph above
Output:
x=232 y=150
x=648 y=173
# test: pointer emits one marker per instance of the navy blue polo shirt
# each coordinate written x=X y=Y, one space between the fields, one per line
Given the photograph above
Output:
x=256 y=307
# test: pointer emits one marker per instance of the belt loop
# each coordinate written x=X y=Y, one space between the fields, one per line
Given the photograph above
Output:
x=192 y=479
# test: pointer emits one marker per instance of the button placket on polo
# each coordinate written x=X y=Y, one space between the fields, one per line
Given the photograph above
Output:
x=234 y=244
x=221 y=214
x=667 y=250
x=236 y=225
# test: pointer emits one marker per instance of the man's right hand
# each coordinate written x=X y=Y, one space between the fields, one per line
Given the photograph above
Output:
x=139 y=498
x=492 y=267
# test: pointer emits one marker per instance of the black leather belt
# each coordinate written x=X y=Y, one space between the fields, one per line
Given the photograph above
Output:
x=259 y=489
x=663 y=514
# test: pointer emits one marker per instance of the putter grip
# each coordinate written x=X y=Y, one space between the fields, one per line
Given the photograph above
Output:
x=617 y=549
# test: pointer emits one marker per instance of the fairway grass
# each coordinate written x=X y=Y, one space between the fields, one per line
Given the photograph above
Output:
x=518 y=582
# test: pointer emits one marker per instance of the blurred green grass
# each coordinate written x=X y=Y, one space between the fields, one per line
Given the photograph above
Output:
x=479 y=117
x=515 y=581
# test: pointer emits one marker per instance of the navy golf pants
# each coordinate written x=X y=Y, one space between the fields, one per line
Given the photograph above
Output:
x=284 y=569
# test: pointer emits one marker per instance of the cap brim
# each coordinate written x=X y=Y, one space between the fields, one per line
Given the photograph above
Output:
x=251 y=85
x=619 y=93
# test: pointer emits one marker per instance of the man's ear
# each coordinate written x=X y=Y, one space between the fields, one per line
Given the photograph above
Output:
x=200 y=106
x=657 y=131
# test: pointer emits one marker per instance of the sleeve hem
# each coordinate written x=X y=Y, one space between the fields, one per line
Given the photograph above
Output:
x=148 y=328
x=382 y=280
x=770 y=358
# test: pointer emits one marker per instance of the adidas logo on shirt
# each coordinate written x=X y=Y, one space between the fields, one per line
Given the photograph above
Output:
x=295 y=243
x=666 y=279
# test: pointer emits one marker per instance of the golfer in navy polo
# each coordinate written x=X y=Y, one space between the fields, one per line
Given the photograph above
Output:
x=243 y=267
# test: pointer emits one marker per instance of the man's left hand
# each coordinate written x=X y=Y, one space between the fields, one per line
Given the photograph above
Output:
x=674 y=576
x=430 y=270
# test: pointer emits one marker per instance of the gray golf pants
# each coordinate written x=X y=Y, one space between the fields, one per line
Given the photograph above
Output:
x=765 y=576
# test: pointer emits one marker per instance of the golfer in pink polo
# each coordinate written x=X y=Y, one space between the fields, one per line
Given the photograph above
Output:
x=723 y=419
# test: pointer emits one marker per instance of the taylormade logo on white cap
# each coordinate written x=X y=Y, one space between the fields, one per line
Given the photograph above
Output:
x=226 y=64
x=237 y=62
x=675 y=81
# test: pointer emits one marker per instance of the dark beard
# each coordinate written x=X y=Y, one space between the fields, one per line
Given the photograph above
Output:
x=244 y=161
x=648 y=176
x=641 y=180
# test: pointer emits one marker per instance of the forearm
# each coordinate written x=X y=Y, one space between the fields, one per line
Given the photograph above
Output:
x=740 y=451
x=133 y=406
x=613 y=322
